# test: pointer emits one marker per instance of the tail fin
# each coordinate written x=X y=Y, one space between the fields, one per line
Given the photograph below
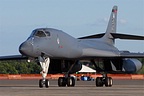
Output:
x=111 y=28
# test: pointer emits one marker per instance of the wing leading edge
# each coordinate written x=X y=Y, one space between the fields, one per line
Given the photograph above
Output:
x=131 y=55
x=13 y=57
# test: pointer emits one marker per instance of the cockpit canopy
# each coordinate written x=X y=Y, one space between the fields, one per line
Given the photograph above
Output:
x=40 y=33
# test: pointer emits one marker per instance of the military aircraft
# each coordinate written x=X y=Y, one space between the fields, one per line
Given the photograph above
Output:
x=58 y=52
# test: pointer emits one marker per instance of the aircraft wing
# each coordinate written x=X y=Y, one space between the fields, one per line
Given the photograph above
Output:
x=131 y=55
x=13 y=57
x=115 y=36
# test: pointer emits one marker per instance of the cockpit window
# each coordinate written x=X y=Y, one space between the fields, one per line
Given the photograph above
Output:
x=41 y=33
x=47 y=33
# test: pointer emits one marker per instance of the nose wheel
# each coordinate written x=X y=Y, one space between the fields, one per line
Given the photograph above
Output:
x=43 y=83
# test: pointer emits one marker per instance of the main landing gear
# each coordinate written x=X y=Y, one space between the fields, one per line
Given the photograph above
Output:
x=69 y=81
x=104 y=80
x=44 y=62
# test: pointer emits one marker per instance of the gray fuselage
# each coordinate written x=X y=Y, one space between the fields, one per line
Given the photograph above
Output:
x=61 y=45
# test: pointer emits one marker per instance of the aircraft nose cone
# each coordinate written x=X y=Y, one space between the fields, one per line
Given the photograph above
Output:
x=26 y=48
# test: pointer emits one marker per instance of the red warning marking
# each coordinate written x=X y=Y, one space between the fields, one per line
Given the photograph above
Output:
x=61 y=46
x=114 y=10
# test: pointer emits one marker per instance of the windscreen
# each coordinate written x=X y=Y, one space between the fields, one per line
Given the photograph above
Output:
x=40 y=33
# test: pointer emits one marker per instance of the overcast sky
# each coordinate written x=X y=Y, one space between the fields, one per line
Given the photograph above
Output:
x=75 y=17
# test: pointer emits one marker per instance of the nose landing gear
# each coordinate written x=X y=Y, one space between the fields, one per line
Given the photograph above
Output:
x=44 y=62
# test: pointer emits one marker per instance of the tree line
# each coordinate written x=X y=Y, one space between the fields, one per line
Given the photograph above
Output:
x=24 y=67
x=19 y=67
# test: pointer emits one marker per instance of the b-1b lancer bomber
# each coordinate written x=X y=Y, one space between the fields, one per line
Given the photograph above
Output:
x=58 y=52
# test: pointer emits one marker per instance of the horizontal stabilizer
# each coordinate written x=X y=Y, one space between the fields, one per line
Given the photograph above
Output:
x=126 y=36
x=92 y=36
x=115 y=36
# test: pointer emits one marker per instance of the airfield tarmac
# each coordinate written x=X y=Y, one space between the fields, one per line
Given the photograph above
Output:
x=82 y=88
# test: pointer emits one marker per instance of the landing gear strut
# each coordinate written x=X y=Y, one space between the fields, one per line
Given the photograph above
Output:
x=44 y=62
x=104 y=80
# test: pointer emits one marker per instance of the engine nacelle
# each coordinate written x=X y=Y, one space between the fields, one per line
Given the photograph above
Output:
x=131 y=65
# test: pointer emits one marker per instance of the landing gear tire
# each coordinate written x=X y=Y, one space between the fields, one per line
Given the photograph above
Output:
x=107 y=81
x=63 y=81
x=46 y=83
x=43 y=83
x=70 y=82
x=99 y=82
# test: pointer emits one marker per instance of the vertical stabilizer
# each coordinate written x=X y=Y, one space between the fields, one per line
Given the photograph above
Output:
x=111 y=28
